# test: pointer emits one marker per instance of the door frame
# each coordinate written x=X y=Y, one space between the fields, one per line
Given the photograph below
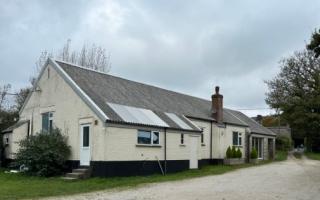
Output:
x=258 y=144
x=81 y=144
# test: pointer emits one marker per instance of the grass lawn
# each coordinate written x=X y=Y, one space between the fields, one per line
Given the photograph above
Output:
x=19 y=186
x=281 y=155
x=313 y=156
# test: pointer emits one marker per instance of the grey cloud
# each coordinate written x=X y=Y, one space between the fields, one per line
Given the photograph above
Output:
x=187 y=46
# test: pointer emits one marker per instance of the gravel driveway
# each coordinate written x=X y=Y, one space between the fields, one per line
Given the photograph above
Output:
x=291 y=179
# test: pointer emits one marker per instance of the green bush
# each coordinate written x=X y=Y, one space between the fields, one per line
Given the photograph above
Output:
x=254 y=154
x=1 y=150
x=238 y=153
x=234 y=152
x=44 y=154
x=229 y=152
x=283 y=143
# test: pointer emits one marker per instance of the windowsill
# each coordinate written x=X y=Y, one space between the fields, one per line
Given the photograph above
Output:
x=239 y=146
x=149 y=145
x=203 y=144
x=182 y=145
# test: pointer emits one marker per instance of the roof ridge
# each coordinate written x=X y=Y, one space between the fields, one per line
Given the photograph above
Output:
x=82 y=67
x=149 y=85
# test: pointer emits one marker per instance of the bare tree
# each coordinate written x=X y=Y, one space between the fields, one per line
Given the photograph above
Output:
x=44 y=55
x=92 y=57
x=4 y=90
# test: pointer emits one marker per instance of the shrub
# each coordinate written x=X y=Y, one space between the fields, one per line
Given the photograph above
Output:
x=44 y=154
x=234 y=152
x=254 y=154
x=229 y=152
x=283 y=143
x=239 y=153
x=1 y=150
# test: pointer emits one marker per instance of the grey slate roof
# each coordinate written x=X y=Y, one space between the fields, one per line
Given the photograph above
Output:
x=103 y=88
x=254 y=126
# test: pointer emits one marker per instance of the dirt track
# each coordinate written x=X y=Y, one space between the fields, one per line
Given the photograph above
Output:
x=291 y=179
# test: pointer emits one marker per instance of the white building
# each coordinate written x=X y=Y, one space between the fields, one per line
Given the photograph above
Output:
x=120 y=127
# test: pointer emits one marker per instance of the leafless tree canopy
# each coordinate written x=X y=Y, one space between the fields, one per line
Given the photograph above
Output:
x=3 y=96
x=92 y=57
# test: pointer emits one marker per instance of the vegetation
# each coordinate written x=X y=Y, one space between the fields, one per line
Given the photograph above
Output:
x=229 y=152
x=314 y=44
x=295 y=92
x=44 y=154
x=254 y=154
x=19 y=186
x=281 y=155
x=272 y=121
x=283 y=143
x=238 y=153
x=92 y=57
x=233 y=152
x=313 y=156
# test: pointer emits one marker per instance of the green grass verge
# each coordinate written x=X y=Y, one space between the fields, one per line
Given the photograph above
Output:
x=313 y=156
x=19 y=186
x=281 y=155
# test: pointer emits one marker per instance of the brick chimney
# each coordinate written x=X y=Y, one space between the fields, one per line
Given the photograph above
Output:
x=217 y=106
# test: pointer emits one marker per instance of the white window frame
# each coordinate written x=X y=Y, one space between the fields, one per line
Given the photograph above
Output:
x=50 y=119
x=151 y=140
x=239 y=138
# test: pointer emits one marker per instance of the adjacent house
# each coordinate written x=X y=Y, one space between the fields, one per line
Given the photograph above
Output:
x=120 y=127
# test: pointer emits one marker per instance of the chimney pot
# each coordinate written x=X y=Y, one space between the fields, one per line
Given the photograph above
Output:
x=217 y=89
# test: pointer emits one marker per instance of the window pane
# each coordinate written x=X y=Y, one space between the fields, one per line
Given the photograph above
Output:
x=260 y=148
x=45 y=121
x=144 y=137
x=235 y=138
x=155 y=138
x=50 y=126
x=182 y=139
x=85 y=136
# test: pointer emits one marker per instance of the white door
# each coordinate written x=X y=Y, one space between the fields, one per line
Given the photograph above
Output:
x=193 y=152
x=85 y=144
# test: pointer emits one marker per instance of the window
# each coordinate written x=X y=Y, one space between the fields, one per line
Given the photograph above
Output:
x=202 y=135
x=85 y=140
x=155 y=137
x=47 y=122
x=237 y=139
x=148 y=137
x=6 y=140
x=182 y=138
x=257 y=143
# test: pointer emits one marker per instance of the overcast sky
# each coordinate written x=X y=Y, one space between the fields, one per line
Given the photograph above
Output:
x=185 y=46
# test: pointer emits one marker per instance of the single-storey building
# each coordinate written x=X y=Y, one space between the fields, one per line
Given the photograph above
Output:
x=119 y=127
